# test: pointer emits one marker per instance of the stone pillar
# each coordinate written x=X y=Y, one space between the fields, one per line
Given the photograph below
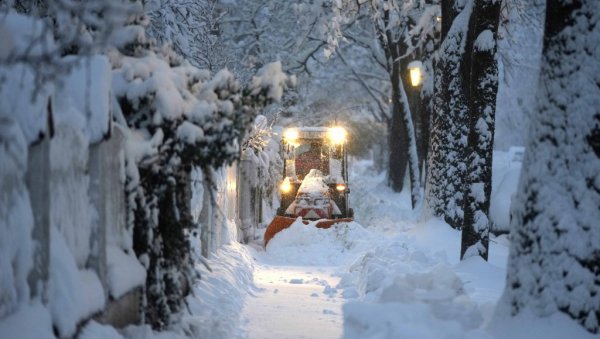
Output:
x=38 y=184
x=247 y=197
x=107 y=195
x=206 y=219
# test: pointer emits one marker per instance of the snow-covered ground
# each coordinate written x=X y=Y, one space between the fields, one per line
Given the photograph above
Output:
x=395 y=277
x=393 y=273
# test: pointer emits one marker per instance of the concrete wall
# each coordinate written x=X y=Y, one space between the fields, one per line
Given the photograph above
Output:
x=77 y=188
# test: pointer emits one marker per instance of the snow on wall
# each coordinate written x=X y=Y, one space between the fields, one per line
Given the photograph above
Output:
x=70 y=209
x=16 y=219
x=79 y=104
x=86 y=90
x=124 y=272
x=74 y=294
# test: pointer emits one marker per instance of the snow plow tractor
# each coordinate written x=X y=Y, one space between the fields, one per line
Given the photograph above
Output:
x=315 y=184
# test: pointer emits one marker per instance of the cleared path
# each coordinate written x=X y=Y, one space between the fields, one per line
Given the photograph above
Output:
x=294 y=302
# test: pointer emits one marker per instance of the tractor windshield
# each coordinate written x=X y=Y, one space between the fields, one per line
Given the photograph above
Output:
x=311 y=154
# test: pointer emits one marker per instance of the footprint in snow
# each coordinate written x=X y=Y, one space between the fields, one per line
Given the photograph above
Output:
x=326 y=311
x=330 y=291
x=296 y=281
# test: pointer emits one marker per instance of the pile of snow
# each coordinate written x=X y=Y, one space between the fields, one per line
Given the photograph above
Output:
x=308 y=245
x=375 y=205
x=314 y=183
x=413 y=285
x=217 y=299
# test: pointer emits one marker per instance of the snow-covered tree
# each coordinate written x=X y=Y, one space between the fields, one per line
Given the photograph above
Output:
x=466 y=85
x=480 y=143
x=554 y=262
x=449 y=131
x=402 y=31
x=193 y=30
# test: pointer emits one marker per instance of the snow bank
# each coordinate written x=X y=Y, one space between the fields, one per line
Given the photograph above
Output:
x=413 y=285
x=218 y=297
x=375 y=205
x=308 y=245
x=93 y=330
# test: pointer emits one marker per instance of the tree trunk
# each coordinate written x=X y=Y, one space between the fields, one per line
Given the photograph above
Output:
x=484 y=87
x=411 y=145
x=447 y=165
x=554 y=263
x=398 y=140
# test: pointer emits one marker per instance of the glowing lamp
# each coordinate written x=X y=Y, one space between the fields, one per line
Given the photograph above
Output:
x=290 y=135
x=415 y=72
x=337 y=135
x=285 y=186
x=340 y=187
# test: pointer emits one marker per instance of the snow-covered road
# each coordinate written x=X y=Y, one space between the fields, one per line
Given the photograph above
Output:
x=294 y=302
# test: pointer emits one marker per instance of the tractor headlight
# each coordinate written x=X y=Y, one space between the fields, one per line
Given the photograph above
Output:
x=285 y=186
x=290 y=135
x=340 y=187
x=337 y=135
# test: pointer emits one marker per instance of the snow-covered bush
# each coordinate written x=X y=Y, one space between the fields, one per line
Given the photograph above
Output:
x=264 y=147
x=179 y=117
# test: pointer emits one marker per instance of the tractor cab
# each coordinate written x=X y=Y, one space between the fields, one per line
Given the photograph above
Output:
x=315 y=184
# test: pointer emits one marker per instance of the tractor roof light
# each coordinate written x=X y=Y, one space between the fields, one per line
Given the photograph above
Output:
x=337 y=135
x=290 y=135
x=340 y=187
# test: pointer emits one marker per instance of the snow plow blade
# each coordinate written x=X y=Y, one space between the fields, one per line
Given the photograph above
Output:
x=280 y=223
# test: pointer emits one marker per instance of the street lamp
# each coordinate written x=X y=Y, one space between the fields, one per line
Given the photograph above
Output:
x=416 y=74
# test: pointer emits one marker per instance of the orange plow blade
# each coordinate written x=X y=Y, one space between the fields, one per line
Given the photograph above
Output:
x=280 y=223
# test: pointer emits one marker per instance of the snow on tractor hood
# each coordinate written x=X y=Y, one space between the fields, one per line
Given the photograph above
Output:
x=314 y=183
x=313 y=200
